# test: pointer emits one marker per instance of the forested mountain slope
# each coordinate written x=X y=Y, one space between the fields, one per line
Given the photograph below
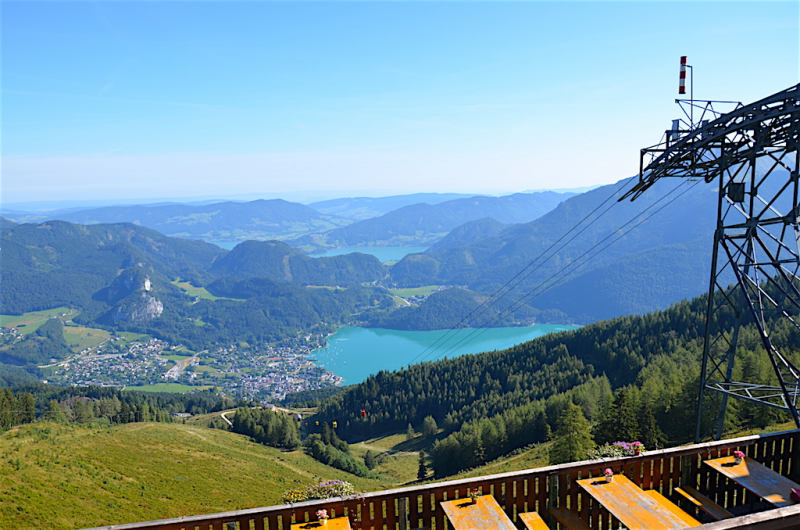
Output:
x=124 y=277
x=280 y=262
x=484 y=398
x=643 y=265
x=424 y=224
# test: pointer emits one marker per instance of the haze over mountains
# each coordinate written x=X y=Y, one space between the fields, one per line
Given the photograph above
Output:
x=424 y=224
x=654 y=265
x=412 y=223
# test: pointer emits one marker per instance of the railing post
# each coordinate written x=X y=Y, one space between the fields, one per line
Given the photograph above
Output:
x=402 y=507
x=552 y=502
x=688 y=475
x=795 y=456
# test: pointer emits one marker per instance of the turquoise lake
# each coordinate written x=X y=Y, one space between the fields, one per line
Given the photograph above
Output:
x=382 y=253
x=357 y=353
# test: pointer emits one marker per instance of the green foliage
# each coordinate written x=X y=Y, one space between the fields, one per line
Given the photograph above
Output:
x=572 y=439
x=331 y=455
x=280 y=262
x=422 y=468
x=429 y=427
x=39 y=347
x=311 y=398
x=369 y=460
x=266 y=427
x=619 y=422
x=446 y=309
x=16 y=408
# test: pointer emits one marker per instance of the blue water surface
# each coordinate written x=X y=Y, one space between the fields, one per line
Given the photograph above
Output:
x=356 y=353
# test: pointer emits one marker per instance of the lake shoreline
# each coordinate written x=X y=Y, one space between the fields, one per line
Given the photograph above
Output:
x=351 y=352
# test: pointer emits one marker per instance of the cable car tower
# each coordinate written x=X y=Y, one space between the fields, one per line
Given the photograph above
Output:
x=752 y=153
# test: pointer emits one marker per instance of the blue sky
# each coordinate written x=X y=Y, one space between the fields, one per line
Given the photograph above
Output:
x=115 y=100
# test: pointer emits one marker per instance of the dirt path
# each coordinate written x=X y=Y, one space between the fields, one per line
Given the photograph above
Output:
x=225 y=418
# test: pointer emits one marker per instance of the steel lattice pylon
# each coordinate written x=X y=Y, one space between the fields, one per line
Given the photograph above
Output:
x=752 y=153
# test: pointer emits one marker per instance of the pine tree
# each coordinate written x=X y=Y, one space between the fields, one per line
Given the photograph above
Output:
x=652 y=436
x=572 y=438
x=410 y=432
x=619 y=423
x=369 y=460
x=422 y=471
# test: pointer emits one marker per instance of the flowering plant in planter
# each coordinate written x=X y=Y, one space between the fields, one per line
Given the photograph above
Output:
x=637 y=447
x=608 y=474
x=322 y=515
x=474 y=494
x=738 y=456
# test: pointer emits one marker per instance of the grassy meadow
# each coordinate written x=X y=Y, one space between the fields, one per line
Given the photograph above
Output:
x=79 y=337
x=64 y=477
x=425 y=290
x=30 y=322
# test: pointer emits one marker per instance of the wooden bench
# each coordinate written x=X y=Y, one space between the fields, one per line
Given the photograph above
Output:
x=704 y=503
x=533 y=521
x=672 y=507
x=568 y=519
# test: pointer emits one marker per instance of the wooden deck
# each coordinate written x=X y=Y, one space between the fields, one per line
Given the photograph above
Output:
x=538 y=490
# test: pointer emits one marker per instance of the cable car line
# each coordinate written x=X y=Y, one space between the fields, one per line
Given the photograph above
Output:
x=575 y=264
x=493 y=298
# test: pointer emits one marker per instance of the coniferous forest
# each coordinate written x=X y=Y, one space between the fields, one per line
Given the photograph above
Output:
x=633 y=377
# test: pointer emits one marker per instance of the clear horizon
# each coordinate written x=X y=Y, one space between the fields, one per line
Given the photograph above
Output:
x=120 y=101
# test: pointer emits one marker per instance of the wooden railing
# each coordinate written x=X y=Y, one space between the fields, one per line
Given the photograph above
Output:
x=521 y=491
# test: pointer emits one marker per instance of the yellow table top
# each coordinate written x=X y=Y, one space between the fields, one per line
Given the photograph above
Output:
x=633 y=506
x=486 y=514
x=756 y=478
x=337 y=523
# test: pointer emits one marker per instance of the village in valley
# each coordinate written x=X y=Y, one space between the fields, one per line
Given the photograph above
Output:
x=261 y=372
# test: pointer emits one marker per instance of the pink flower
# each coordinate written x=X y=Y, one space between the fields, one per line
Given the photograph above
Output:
x=738 y=454
x=608 y=472
x=322 y=514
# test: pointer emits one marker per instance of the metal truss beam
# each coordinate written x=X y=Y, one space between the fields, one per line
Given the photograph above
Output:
x=752 y=153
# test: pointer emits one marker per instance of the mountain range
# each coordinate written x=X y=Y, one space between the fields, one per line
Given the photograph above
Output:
x=610 y=266
x=221 y=221
x=425 y=224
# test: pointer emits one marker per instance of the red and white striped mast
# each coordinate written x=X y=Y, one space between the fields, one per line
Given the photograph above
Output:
x=682 y=87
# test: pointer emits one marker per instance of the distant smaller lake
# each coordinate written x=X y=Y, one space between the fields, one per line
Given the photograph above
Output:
x=382 y=253
x=227 y=245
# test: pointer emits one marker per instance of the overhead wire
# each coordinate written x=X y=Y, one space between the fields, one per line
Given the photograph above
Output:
x=526 y=298
x=493 y=298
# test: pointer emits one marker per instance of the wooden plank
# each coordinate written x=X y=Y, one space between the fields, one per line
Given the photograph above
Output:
x=336 y=523
x=688 y=519
x=632 y=506
x=756 y=478
x=438 y=513
x=569 y=519
x=704 y=503
x=532 y=521
x=485 y=514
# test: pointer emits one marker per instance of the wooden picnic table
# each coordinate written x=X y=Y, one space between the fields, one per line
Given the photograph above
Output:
x=757 y=479
x=486 y=514
x=634 y=507
x=336 y=523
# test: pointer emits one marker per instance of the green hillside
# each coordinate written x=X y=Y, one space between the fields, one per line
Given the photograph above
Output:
x=64 y=477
